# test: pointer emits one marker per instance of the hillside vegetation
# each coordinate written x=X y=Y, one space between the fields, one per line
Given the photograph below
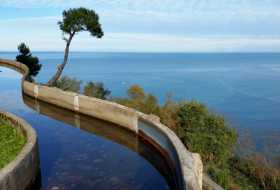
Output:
x=208 y=134
x=201 y=131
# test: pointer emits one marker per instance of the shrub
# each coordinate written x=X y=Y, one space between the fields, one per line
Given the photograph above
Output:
x=206 y=133
x=220 y=175
x=69 y=84
x=96 y=89
x=137 y=99
x=135 y=92
x=277 y=162
x=168 y=114
x=25 y=57
x=258 y=170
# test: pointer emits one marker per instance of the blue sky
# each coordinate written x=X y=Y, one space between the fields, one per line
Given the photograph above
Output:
x=147 y=25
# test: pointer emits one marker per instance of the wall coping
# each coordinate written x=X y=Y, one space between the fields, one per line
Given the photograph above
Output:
x=29 y=151
x=190 y=163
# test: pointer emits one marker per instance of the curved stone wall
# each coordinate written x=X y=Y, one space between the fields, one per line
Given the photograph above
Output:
x=188 y=166
x=21 y=173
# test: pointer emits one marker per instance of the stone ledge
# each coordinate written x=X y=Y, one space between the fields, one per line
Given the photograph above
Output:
x=191 y=167
x=21 y=173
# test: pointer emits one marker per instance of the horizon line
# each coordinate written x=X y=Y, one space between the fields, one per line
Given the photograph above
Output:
x=160 y=52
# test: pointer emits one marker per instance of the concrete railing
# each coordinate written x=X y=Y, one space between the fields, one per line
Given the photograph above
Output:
x=188 y=166
x=21 y=173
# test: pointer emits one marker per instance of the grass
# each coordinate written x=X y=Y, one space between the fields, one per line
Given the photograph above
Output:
x=11 y=142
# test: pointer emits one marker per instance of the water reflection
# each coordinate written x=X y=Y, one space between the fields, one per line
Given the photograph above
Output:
x=111 y=132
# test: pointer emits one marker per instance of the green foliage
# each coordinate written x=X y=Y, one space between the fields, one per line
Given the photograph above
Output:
x=258 y=170
x=11 y=142
x=96 y=89
x=137 y=99
x=209 y=135
x=25 y=57
x=200 y=130
x=241 y=181
x=220 y=176
x=80 y=19
x=206 y=133
x=277 y=162
x=168 y=114
x=135 y=92
x=69 y=84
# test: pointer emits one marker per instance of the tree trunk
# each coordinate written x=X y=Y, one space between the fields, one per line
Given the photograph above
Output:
x=60 y=68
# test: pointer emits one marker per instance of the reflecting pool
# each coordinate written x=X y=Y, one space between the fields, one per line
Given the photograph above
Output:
x=80 y=152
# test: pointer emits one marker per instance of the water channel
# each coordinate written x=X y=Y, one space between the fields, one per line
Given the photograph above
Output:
x=80 y=152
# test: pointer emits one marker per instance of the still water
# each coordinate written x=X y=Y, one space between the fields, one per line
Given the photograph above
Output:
x=79 y=152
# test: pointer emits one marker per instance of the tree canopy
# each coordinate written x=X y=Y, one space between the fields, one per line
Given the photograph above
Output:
x=206 y=133
x=80 y=19
x=25 y=57
x=96 y=89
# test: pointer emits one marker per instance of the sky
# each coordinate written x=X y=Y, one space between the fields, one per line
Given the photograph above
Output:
x=147 y=25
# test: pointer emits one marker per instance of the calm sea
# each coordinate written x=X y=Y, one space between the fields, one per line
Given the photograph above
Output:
x=245 y=88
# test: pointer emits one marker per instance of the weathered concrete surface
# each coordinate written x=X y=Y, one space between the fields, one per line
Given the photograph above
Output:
x=189 y=163
x=21 y=173
x=108 y=111
x=90 y=106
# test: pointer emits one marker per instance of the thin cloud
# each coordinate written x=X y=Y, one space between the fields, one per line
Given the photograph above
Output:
x=135 y=42
x=154 y=25
x=31 y=19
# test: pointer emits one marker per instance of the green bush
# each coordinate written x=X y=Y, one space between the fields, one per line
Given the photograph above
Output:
x=69 y=84
x=220 y=176
x=200 y=130
x=206 y=133
x=209 y=135
x=168 y=114
x=258 y=170
x=139 y=100
x=25 y=57
x=135 y=92
x=96 y=89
